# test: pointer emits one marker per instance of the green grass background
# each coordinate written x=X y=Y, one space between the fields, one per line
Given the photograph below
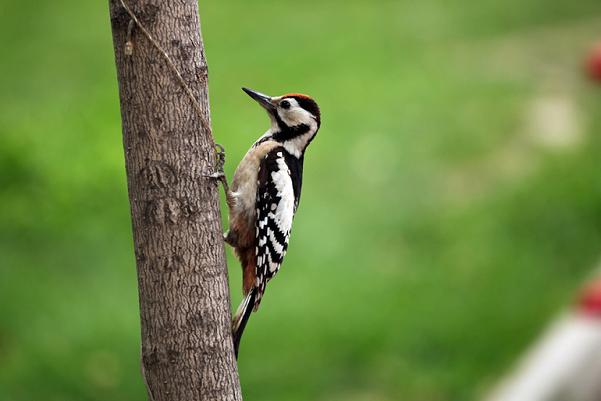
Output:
x=439 y=229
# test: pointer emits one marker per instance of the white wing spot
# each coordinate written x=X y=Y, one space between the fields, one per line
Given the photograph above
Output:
x=284 y=211
x=273 y=266
x=279 y=248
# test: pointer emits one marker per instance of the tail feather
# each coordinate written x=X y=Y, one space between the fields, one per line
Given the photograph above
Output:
x=241 y=318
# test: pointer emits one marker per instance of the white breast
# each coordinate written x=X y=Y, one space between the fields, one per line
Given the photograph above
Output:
x=244 y=185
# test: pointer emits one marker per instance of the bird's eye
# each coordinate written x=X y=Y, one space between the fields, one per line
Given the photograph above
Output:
x=284 y=104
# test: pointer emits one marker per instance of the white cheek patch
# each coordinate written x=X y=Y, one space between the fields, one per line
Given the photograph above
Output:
x=295 y=115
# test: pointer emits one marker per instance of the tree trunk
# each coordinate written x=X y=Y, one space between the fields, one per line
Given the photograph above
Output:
x=185 y=313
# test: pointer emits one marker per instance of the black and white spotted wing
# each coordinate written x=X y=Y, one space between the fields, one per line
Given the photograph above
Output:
x=278 y=194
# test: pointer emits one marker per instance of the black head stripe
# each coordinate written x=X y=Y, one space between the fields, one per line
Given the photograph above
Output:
x=287 y=132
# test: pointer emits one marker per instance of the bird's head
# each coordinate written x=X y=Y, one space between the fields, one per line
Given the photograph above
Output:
x=294 y=117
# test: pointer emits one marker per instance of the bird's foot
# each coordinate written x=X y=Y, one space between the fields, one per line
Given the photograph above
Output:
x=219 y=174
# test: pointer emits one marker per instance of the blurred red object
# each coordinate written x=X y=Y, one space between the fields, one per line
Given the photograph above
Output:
x=590 y=298
x=565 y=363
x=593 y=63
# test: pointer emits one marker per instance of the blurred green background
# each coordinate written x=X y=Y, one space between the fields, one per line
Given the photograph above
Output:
x=451 y=202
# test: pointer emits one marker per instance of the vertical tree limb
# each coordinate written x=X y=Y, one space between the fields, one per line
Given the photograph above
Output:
x=184 y=298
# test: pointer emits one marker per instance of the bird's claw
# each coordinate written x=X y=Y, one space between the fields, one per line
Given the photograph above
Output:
x=220 y=154
x=219 y=163
x=219 y=173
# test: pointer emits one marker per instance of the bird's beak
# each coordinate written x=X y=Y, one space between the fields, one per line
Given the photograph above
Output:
x=262 y=99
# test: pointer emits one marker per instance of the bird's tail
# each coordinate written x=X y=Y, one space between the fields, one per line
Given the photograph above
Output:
x=241 y=317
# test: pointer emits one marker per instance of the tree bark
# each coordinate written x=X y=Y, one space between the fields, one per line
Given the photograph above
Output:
x=185 y=310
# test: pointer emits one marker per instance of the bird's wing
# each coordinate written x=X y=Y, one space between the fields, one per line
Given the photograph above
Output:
x=276 y=203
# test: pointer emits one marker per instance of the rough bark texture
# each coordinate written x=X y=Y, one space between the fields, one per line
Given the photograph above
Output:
x=184 y=298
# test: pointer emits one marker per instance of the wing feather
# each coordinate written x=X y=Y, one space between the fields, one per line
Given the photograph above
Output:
x=276 y=203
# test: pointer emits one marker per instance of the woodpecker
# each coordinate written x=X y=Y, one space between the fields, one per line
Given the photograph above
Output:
x=265 y=193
